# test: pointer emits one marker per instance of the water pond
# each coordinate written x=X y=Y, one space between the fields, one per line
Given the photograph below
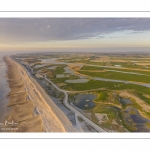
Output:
x=60 y=76
x=52 y=68
x=52 y=61
x=77 y=81
x=117 y=65
x=84 y=101
x=125 y=101
x=38 y=66
x=135 y=119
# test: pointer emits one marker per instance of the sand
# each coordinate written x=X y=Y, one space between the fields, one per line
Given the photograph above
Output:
x=49 y=118
x=101 y=117
x=143 y=64
x=39 y=75
x=22 y=109
x=17 y=98
x=33 y=124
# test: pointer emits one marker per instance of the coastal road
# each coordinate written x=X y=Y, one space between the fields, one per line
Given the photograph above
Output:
x=77 y=113
x=54 y=120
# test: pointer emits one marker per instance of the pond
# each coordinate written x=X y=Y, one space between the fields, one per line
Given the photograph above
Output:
x=38 y=66
x=67 y=70
x=52 y=61
x=85 y=101
x=52 y=68
x=60 y=76
x=125 y=101
x=135 y=119
x=77 y=81
x=117 y=65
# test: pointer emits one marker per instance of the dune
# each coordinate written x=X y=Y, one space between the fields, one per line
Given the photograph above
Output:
x=25 y=97
x=21 y=109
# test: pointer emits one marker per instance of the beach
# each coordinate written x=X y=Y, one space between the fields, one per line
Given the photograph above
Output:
x=30 y=105
x=4 y=89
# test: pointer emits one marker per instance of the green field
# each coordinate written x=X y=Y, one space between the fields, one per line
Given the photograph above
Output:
x=108 y=100
x=118 y=76
x=123 y=64
x=102 y=96
x=90 y=68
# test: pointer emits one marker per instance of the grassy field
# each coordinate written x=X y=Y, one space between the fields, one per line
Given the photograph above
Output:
x=89 y=85
x=60 y=69
x=88 y=68
x=118 y=76
x=107 y=101
x=123 y=64
x=92 y=84
x=102 y=96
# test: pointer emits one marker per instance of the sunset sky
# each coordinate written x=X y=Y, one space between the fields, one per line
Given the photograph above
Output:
x=73 y=33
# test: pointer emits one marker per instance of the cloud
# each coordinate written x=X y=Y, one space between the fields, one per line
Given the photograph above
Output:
x=33 y=29
x=135 y=32
x=48 y=26
x=99 y=37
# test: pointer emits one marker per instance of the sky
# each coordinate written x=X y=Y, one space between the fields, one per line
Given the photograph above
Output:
x=71 y=34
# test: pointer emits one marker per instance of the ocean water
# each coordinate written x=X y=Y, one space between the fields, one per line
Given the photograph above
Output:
x=4 y=89
x=4 y=86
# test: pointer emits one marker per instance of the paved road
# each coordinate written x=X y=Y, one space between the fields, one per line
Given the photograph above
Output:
x=77 y=113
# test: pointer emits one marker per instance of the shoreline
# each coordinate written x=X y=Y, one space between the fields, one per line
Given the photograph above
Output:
x=52 y=117
x=20 y=116
x=4 y=90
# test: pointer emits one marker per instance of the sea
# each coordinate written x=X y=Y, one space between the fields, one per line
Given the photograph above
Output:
x=4 y=88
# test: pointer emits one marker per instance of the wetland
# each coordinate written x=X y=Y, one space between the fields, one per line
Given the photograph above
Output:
x=111 y=90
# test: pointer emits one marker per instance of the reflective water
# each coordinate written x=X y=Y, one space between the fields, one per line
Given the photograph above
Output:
x=52 y=68
x=67 y=70
x=52 y=61
x=38 y=66
x=121 y=81
x=135 y=119
x=129 y=72
x=85 y=101
x=125 y=101
x=77 y=81
x=117 y=65
x=60 y=76
x=4 y=88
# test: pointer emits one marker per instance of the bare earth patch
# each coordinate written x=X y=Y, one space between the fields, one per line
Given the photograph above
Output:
x=101 y=117
x=143 y=64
